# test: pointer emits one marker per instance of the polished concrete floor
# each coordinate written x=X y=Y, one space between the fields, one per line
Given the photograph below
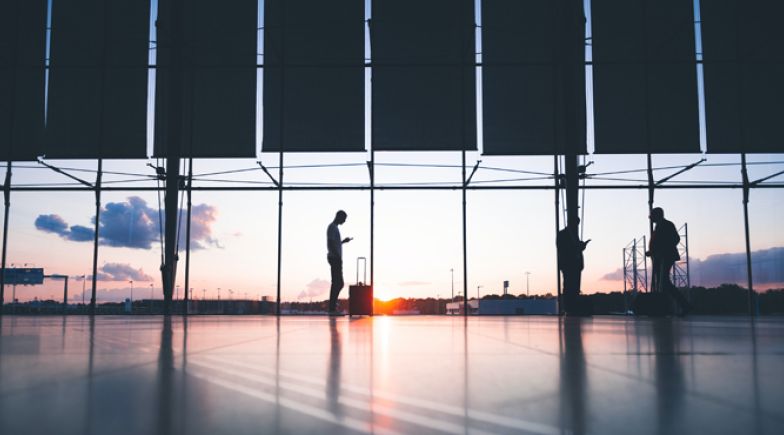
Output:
x=412 y=375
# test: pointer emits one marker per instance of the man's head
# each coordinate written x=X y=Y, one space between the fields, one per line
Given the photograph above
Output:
x=657 y=215
x=340 y=217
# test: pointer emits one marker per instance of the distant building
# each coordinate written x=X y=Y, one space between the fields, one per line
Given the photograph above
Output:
x=504 y=307
x=405 y=312
x=455 y=308
x=511 y=307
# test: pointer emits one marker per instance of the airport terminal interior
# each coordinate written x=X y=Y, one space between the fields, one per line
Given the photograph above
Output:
x=469 y=143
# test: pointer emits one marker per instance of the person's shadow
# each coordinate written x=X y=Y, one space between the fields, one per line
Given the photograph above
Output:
x=573 y=377
x=333 y=370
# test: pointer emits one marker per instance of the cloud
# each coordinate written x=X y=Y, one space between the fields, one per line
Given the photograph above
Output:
x=730 y=268
x=315 y=288
x=616 y=275
x=118 y=272
x=767 y=268
x=413 y=283
x=122 y=272
x=52 y=223
x=133 y=224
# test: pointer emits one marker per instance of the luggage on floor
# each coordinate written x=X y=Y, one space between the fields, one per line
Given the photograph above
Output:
x=360 y=295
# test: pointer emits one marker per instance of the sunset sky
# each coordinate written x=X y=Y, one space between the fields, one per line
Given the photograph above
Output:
x=418 y=233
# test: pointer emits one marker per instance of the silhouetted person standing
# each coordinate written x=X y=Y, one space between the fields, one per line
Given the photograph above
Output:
x=663 y=250
x=335 y=258
x=570 y=263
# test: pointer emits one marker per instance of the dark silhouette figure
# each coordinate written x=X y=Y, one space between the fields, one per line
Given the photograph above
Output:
x=335 y=259
x=663 y=250
x=570 y=262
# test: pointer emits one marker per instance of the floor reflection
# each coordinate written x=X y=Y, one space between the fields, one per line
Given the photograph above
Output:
x=165 y=380
x=243 y=375
x=670 y=388
x=333 y=370
x=573 y=398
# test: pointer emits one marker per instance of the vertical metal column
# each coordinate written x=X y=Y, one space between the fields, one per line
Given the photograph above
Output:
x=171 y=33
x=7 y=207
x=188 y=239
x=465 y=242
x=688 y=271
x=745 y=175
x=635 y=276
x=625 y=285
x=557 y=190
x=571 y=64
x=651 y=193
x=65 y=295
x=171 y=210
x=463 y=64
x=98 y=178
x=372 y=214
x=280 y=226
x=99 y=175
x=654 y=284
x=280 y=159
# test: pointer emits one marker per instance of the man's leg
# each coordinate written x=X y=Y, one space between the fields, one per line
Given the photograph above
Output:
x=669 y=288
x=336 y=268
x=570 y=290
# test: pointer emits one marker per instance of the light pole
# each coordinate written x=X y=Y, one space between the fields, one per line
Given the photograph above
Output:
x=177 y=295
x=203 y=294
x=218 y=293
x=84 y=281
x=231 y=294
x=477 y=299
x=131 y=281
x=453 y=284
x=527 y=274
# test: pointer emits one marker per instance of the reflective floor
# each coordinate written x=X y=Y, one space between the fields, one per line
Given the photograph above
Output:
x=413 y=375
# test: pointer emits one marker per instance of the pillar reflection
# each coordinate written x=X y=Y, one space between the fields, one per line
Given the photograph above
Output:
x=670 y=389
x=573 y=396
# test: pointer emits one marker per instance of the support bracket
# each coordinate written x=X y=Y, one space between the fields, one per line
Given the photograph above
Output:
x=473 y=171
x=60 y=171
x=687 y=168
x=264 y=168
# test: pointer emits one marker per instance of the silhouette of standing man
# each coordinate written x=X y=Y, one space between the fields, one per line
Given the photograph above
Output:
x=570 y=261
x=663 y=250
x=335 y=259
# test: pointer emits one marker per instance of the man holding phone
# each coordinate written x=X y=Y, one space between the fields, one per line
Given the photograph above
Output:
x=335 y=259
x=570 y=261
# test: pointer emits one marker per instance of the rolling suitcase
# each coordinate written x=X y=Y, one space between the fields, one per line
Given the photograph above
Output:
x=654 y=304
x=360 y=295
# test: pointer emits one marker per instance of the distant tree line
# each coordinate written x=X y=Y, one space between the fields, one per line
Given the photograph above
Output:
x=722 y=300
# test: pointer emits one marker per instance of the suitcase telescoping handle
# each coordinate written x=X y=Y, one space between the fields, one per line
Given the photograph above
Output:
x=364 y=279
